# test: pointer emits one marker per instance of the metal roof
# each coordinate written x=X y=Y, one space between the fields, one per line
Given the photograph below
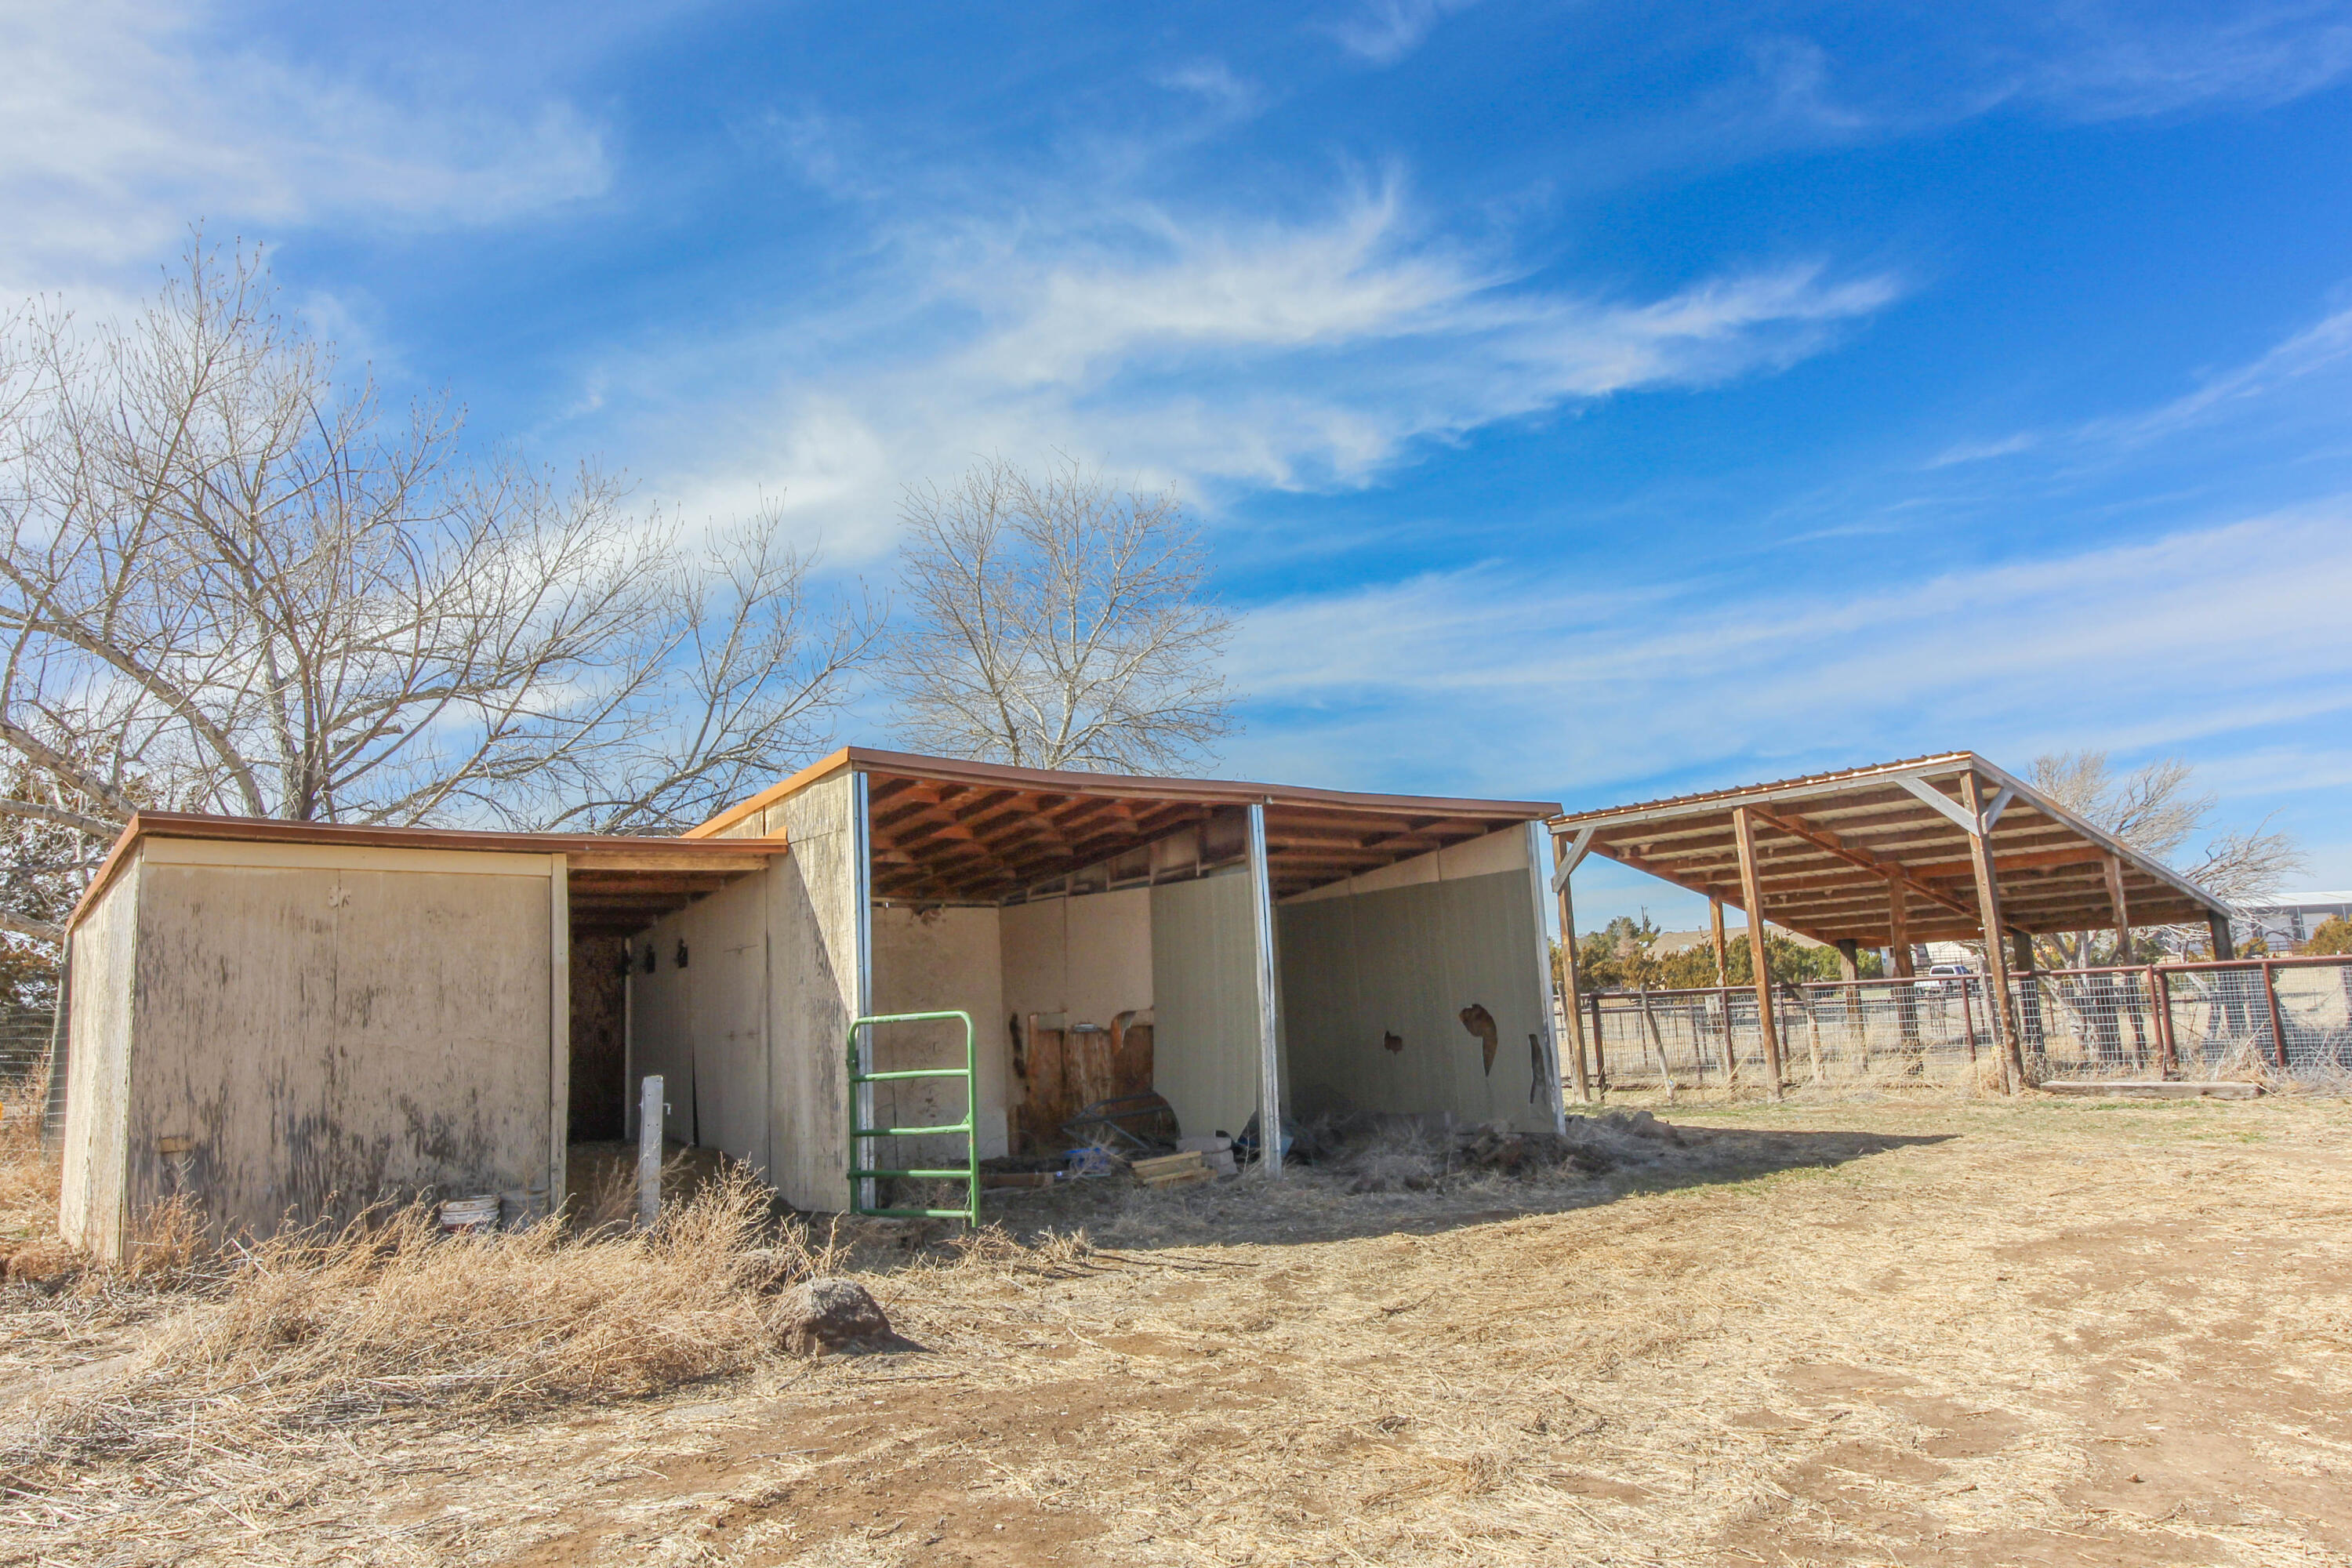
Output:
x=1834 y=849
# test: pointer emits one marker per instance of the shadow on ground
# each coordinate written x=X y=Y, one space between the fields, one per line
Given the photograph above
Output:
x=1382 y=1188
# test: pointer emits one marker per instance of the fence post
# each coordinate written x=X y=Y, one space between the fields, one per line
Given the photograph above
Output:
x=2278 y=1030
x=1968 y=1028
x=2161 y=985
x=649 y=1153
x=1599 y=1057
x=1730 y=1052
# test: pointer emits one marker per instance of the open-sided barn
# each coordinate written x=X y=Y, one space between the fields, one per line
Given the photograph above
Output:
x=280 y=1019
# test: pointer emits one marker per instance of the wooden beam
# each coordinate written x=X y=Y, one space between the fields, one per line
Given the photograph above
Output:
x=1570 y=1004
x=1722 y=949
x=1752 y=900
x=1992 y=926
x=597 y=862
x=1898 y=926
x=2119 y=905
x=1820 y=838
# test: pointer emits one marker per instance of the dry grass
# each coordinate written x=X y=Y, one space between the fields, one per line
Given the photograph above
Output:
x=29 y=1176
x=310 y=1330
x=1892 y=1330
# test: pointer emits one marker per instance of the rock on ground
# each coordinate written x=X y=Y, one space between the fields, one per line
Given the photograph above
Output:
x=822 y=1315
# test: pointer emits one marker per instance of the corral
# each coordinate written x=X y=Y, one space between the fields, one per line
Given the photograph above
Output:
x=1933 y=848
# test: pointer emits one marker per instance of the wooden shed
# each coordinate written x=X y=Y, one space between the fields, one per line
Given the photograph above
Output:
x=282 y=1019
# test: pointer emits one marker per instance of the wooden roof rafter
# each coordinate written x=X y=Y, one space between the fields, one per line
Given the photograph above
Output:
x=947 y=830
x=1835 y=850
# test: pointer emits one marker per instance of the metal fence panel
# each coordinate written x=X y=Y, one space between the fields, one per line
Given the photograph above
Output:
x=2262 y=1017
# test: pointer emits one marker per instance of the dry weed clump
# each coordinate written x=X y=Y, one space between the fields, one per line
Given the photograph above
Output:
x=28 y=1174
x=315 y=1329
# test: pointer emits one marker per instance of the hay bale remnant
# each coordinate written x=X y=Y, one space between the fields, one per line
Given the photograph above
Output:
x=821 y=1315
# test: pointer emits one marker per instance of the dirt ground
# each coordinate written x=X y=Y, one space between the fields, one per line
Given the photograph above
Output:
x=1853 y=1331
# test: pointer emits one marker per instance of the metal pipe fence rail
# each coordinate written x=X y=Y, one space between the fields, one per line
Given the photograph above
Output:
x=2270 y=1017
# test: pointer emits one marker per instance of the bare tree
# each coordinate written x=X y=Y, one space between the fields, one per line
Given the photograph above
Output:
x=1056 y=622
x=2155 y=811
x=232 y=580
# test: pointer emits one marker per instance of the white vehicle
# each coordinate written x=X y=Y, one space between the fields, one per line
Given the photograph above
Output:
x=1945 y=977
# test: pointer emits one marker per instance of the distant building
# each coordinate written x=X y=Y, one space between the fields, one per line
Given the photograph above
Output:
x=2287 y=923
x=1669 y=942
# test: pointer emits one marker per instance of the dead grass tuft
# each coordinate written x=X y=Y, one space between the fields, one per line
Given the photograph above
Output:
x=317 y=1329
x=28 y=1174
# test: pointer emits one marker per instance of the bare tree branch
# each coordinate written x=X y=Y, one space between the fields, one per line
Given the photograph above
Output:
x=40 y=931
x=2154 y=810
x=1058 y=623
x=233 y=581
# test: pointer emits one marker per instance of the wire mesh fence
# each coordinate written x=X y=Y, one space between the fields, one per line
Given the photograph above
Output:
x=24 y=1040
x=2256 y=1018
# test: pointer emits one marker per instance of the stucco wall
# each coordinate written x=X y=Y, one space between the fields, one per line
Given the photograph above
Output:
x=1405 y=959
x=328 y=1028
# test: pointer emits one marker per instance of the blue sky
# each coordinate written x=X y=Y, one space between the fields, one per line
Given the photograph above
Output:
x=1587 y=402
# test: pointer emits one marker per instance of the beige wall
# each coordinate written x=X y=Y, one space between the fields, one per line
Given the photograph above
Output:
x=328 y=1027
x=1204 y=979
x=813 y=923
x=98 y=1067
x=704 y=1028
x=1088 y=958
x=1404 y=956
x=934 y=959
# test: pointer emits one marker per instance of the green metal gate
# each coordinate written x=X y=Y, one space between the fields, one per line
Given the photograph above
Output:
x=860 y=1174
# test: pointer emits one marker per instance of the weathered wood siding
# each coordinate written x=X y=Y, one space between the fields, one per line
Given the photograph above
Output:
x=98 y=1067
x=1400 y=956
x=599 y=1094
x=327 y=1028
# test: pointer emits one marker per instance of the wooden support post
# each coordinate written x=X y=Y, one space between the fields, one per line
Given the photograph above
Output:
x=2115 y=901
x=649 y=1152
x=1569 y=999
x=1857 y=1044
x=2225 y=947
x=1989 y=921
x=1898 y=950
x=1751 y=898
x=1723 y=983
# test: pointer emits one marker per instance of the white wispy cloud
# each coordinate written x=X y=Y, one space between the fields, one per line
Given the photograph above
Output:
x=1385 y=31
x=1504 y=680
x=123 y=121
x=2103 y=61
x=1312 y=352
x=2256 y=389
